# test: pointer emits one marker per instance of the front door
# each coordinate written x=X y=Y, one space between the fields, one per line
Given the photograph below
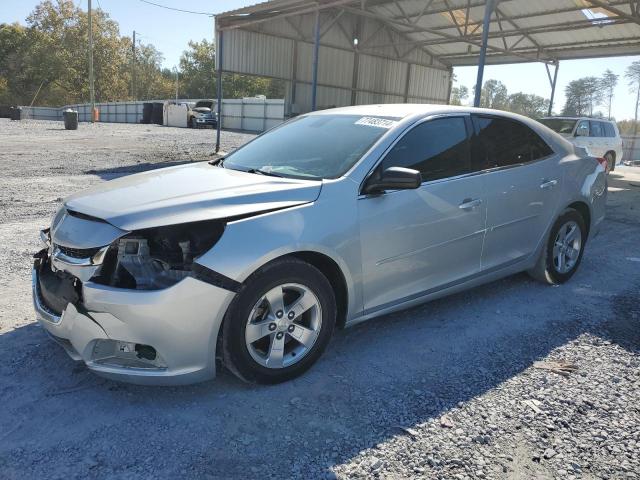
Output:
x=417 y=241
x=582 y=136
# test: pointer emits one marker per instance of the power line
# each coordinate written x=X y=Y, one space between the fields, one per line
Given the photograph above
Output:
x=177 y=9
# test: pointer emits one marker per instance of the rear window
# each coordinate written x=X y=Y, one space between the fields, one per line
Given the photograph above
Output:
x=609 y=130
x=597 y=129
x=501 y=142
x=560 y=125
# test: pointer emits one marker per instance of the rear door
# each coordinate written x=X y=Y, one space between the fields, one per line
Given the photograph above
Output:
x=598 y=141
x=417 y=241
x=615 y=141
x=522 y=184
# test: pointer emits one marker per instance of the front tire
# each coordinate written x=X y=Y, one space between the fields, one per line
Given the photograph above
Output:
x=279 y=323
x=562 y=254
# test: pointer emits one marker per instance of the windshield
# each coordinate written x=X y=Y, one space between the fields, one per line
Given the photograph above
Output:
x=560 y=125
x=314 y=147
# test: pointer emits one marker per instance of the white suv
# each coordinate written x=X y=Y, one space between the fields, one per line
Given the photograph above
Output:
x=600 y=137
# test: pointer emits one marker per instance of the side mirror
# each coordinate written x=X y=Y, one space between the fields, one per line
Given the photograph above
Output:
x=393 y=178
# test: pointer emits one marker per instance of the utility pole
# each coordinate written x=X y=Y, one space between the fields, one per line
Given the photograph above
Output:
x=92 y=93
x=133 y=67
x=176 y=69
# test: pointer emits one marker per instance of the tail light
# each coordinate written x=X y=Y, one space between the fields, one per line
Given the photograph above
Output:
x=603 y=162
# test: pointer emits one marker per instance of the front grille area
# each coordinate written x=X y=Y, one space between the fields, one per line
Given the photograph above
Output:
x=77 y=252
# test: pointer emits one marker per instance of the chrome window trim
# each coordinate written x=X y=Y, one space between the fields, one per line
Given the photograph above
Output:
x=456 y=177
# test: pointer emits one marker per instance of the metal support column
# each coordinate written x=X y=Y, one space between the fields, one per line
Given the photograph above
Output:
x=553 y=83
x=92 y=91
x=294 y=78
x=488 y=10
x=219 y=50
x=316 y=53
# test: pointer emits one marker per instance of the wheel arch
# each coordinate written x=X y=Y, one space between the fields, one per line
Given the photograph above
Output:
x=332 y=271
x=585 y=212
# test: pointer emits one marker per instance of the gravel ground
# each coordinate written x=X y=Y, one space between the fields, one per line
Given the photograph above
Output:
x=450 y=389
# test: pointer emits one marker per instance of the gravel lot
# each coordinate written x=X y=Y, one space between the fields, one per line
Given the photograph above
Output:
x=450 y=389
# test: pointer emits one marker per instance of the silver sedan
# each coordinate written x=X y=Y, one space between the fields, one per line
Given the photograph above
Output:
x=329 y=219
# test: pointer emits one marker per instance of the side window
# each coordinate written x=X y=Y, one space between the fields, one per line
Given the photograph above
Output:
x=582 y=130
x=596 y=129
x=609 y=130
x=437 y=148
x=539 y=148
x=500 y=142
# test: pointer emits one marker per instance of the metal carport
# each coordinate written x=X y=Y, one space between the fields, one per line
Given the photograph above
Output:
x=346 y=52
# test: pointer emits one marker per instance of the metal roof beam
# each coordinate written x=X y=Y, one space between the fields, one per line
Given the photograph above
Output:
x=575 y=8
x=417 y=29
x=559 y=48
x=526 y=32
x=517 y=27
x=246 y=21
x=617 y=11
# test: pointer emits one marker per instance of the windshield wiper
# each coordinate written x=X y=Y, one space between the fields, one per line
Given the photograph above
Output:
x=218 y=162
x=258 y=171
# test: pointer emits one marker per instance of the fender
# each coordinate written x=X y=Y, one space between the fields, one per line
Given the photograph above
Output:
x=249 y=243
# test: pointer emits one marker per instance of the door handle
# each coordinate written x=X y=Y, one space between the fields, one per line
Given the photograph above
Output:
x=469 y=204
x=548 y=184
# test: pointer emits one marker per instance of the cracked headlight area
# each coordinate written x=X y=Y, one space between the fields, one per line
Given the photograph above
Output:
x=159 y=257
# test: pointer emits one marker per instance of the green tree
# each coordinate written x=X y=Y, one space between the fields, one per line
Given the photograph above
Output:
x=58 y=51
x=13 y=63
x=47 y=61
x=494 y=95
x=628 y=127
x=609 y=81
x=198 y=71
x=632 y=74
x=528 y=104
x=459 y=95
x=151 y=82
x=582 y=95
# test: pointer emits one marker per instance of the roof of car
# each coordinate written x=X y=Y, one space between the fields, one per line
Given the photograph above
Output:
x=405 y=110
x=559 y=117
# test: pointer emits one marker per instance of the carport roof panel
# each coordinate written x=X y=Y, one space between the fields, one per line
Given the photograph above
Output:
x=450 y=30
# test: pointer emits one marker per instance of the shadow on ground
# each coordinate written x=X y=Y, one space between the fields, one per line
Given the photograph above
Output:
x=115 y=172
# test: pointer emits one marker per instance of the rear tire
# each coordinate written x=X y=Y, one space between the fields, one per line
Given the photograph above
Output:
x=561 y=256
x=270 y=334
x=611 y=161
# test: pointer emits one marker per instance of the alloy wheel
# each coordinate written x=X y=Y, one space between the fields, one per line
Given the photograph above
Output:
x=567 y=247
x=283 y=325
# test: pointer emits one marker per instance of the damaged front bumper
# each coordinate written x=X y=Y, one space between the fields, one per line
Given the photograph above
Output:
x=161 y=337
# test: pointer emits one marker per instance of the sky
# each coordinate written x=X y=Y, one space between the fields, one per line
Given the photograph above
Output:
x=170 y=31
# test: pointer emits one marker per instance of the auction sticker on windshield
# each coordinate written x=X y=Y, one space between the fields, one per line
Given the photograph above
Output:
x=376 y=122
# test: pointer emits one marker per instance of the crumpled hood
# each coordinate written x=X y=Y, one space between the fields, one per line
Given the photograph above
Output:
x=189 y=193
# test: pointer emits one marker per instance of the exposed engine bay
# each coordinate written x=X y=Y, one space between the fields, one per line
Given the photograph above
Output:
x=159 y=257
